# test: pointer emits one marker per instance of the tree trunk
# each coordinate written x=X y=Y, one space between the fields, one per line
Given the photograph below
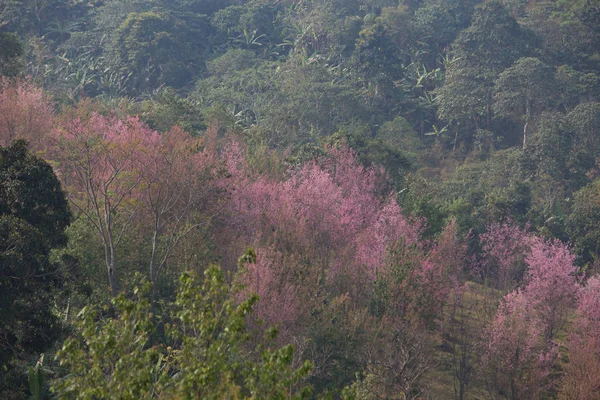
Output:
x=489 y=114
x=153 y=257
x=110 y=254
x=455 y=139
x=113 y=280
x=527 y=115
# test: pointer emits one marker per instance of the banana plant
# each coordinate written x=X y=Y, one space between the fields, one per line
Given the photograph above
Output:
x=37 y=380
x=61 y=30
x=249 y=39
x=114 y=84
x=437 y=132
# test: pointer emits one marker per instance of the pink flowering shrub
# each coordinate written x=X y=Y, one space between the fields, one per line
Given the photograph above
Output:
x=519 y=347
x=130 y=181
x=328 y=212
x=388 y=227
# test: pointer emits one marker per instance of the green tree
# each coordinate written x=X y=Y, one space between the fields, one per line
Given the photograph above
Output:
x=166 y=109
x=34 y=16
x=158 y=48
x=241 y=84
x=584 y=121
x=11 y=51
x=107 y=18
x=437 y=23
x=582 y=223
x=481 y=52
x=206 y=353
x=206 y=7
x=524 y=90
x=377 y=63
x=254 y=26
x=33 y=216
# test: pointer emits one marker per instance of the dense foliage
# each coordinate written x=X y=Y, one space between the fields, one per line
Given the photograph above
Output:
x=414 y=187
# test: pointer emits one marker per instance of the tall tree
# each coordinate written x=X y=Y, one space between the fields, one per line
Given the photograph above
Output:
x=481 y=52
x=516 y=357
x=179 y=188
x=505 y=246
x=580 y=380
x=551 y=284
x=99 y=160
x=33 y=216
x=523 y=90
x=159 y=48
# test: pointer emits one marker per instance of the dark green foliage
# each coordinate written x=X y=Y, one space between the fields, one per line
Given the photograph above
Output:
x=376 y=61
x=290 y=105
x=31 y=192
x=523 y=90
x=417 y=197
x=33 y=217
x=334 y=329
x=203 y=7
x=437 y=24
x=490 y=45
x=33 y=16
x=253 y=26
x=494 y=39
x=392 y=148
x=166 y=109
x=582 y=223
x=11 y=51
x=158 y=48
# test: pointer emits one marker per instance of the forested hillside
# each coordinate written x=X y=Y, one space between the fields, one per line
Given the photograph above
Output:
x=312 y=199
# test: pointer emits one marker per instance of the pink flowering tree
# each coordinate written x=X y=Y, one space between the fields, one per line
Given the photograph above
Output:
x=441 y=273
x=519 y=342
x=278 y=303
x=505 y=247
x=551 y=285
x=581 y=379
x=329 y=212
x=178 y=191
x=388 y=226
x=25 y=113
x=516 y=357
x=99 y=159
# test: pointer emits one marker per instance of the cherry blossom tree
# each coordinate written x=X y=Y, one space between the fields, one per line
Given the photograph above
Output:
x=519 y=347
x=516 y=356
x=99 y=159
x=278 y=302
x=330 y=212
x=441 y=273
x=581 y=379
x=178 y=189
x=551 y=285
x=388 y=226
x=505 y=246
x=25 y=113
